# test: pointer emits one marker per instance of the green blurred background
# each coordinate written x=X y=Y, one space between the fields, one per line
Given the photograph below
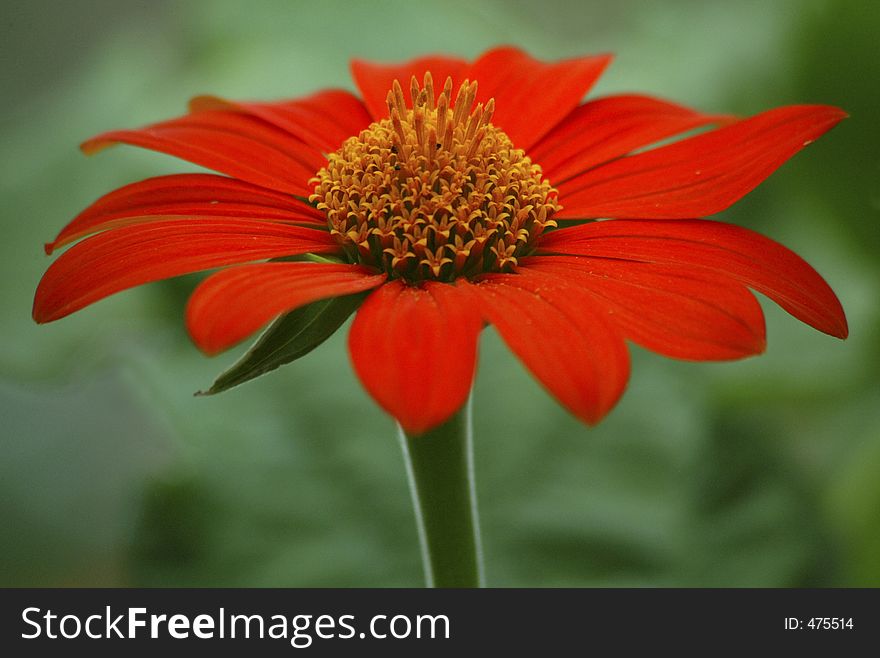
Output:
x=764 y=472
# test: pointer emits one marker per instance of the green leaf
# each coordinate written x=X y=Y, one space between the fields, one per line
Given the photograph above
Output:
x=288 y=338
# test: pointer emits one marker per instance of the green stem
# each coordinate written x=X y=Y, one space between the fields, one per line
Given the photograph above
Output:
x=440 y=470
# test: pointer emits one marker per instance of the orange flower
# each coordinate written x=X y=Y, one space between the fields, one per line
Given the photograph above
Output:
x=460 y=201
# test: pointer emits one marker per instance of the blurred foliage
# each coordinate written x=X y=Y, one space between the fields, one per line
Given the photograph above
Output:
x=756 y=473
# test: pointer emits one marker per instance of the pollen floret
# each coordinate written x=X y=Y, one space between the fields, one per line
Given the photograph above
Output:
x=436 y=191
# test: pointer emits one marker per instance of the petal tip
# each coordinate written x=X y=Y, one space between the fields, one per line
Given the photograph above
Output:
x=93 y=145
x=208 y=350
x=606 y=58
x=204 y=102
x=201 y=336
x=39 y=313
x=416 y=427
x=594 y=416
x=760 y=346
x=837 y=112
x=204 y=341
x=829 y=115
x=417 y=424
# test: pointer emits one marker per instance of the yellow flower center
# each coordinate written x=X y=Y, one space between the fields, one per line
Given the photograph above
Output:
x=434 y=192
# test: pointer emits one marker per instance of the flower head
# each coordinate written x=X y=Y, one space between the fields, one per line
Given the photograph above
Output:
x=468 y=199
x=436 y=192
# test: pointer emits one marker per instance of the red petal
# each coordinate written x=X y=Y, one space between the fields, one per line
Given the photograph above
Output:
x=234 y=303
x=415 y=351
x=375 y=80
x=232 y=143
x=608 y=128
x=132 y=255
x=701 y=175
x=532 y=96
x=676 y=311
x=185 y=196
x=323 y=120
x=560 y=333
x=735 y=252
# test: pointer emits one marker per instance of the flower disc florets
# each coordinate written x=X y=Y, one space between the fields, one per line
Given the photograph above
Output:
x=436 y=191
